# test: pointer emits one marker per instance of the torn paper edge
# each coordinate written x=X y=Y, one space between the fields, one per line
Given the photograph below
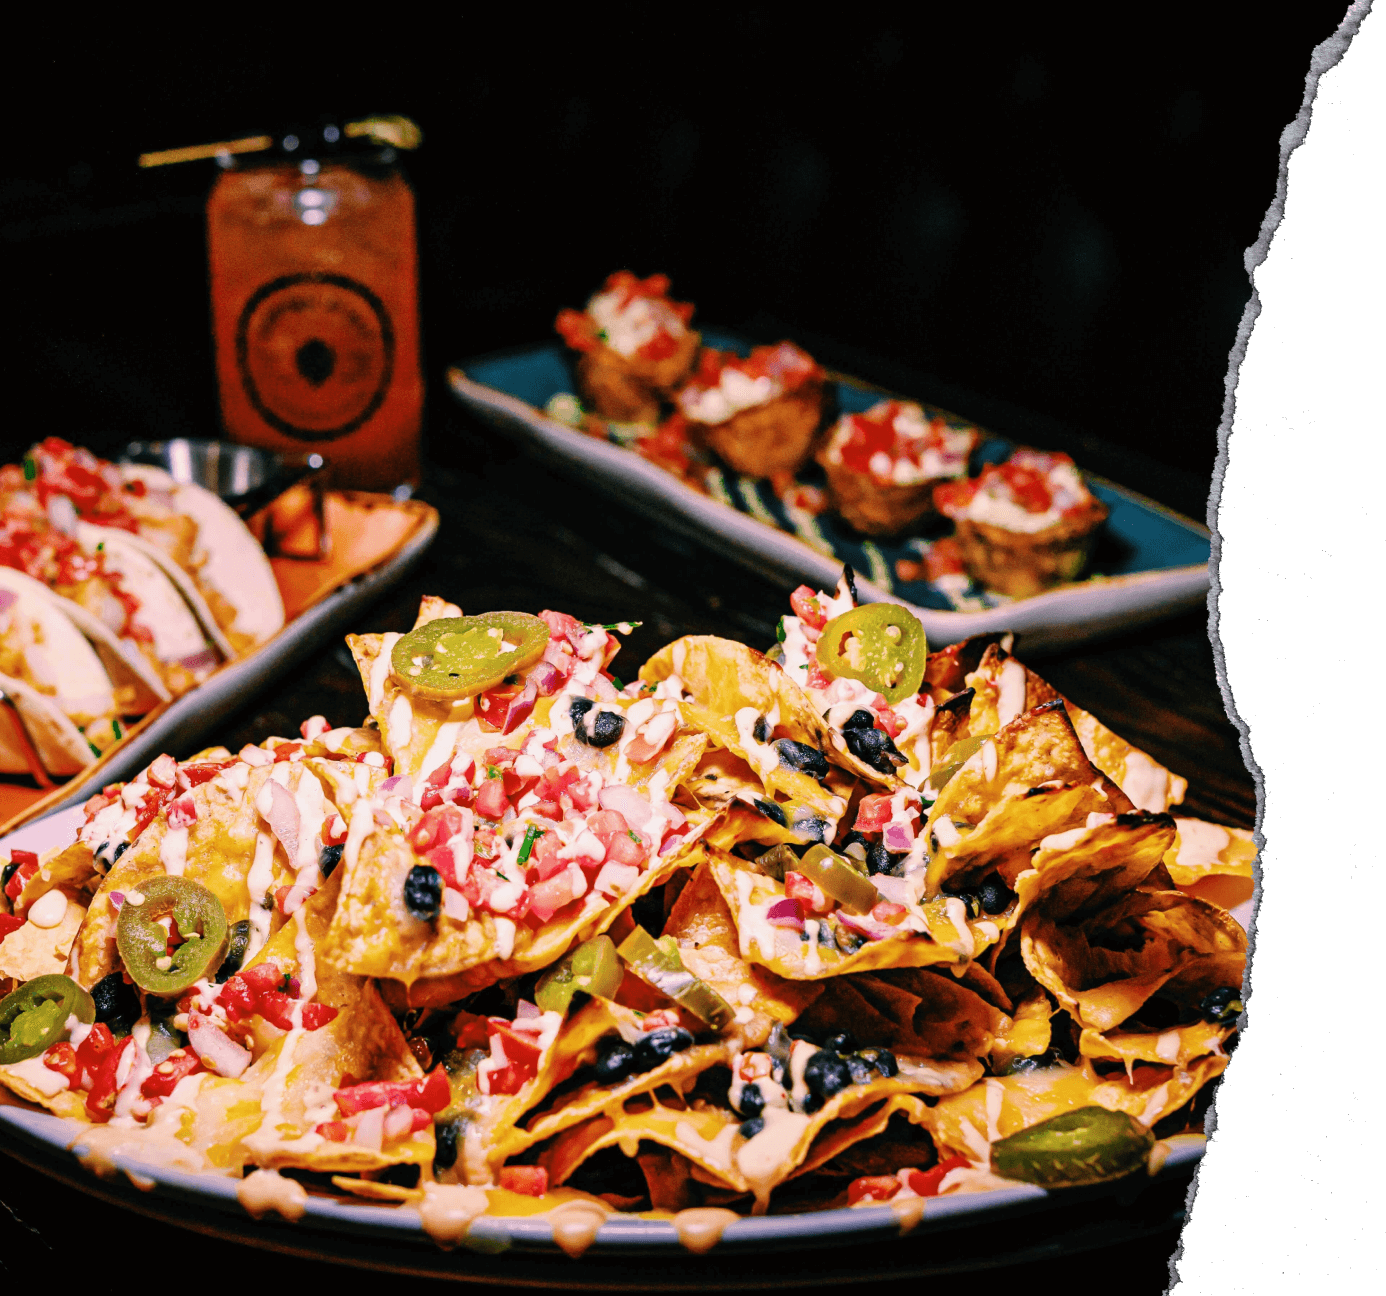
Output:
x=1326 y=56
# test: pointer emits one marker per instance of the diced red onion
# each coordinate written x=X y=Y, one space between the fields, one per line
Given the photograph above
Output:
x=183 y=812
x=218 y=1051
x=897 y=838
x=397 y=785
x=284 y=820
x=163 y=772
x=786 y=913
x=526 y=1009
x=398 y=1124
x=8 y=598
x=867 y=927
x=204 y=659
x=547 y=678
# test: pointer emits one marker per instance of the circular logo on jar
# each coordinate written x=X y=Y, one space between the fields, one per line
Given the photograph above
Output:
x=316 y=353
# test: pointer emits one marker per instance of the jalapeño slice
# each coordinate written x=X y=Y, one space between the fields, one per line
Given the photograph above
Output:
x=35 y=1016
x=592 y=968
x=458 y=657
x=659 y=964
x=167 y=958
x=881 y=644
x=1079 y=1147
x=838 y=878
x=955 y=758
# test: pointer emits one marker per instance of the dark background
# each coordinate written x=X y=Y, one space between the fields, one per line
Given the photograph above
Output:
x=1040 y=225
x=1037 y=222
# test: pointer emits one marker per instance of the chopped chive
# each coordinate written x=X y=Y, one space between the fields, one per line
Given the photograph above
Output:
x=30 y=468
x=532 y=834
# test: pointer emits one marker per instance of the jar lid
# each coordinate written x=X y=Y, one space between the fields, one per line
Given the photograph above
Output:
x=375 y=138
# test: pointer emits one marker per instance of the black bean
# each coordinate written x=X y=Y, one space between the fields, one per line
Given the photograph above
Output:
x=842 y=1042
x=752 y=1100
x=7 y=873
x=577 y=713
x=659 y=1046
x=780 y=1044
x=117 y=1003
x=886 y=1064
x=851 y=578
x=236 y=947
x=607 y=728
x=615 y=1060
x=995 y=897
x=1222 y=1005
x=423 y=892
x=1022 y=1065
x=445 y=1154
x=826 y=1074
x=750 y=1128
x=854 y=837
x=760 y=731
x=873 y=747
x=330 y=857
x=881 y=861
x=809 y=827
x=861 y=1069
x=859 y=720
x=800 y=756
x=772 y=810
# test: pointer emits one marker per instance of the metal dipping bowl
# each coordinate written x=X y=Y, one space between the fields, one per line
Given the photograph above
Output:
x=272 y=492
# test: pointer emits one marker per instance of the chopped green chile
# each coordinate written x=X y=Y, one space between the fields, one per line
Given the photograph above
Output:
x=1078 y=1147
x=881 y=644
x=659 y=964
x=776 y=861
x=837 y=877
x=593 y=968
x=955 y=758
x=196 y=919
x=457 y=657
x=35 y=1016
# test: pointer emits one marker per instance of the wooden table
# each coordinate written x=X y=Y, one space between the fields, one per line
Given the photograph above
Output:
x=515 y=535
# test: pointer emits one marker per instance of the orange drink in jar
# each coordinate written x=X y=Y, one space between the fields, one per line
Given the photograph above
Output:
x=314 y=281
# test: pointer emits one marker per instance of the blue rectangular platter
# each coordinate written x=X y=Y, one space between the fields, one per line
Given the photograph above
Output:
x=1150 y=562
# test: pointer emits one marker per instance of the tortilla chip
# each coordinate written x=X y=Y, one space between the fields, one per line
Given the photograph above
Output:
x=71 y=867
x=967 y=1124
x=1104 y=968
x=1031 y=780
x=1203 y=850
x=1152 y=1093
x=1004 y=689
x=33 y=951
x=787 y=954
x=1028 y=1033
x=1084 y=868
x=373 y=934
x=832 y=1143
x=1176 y=1047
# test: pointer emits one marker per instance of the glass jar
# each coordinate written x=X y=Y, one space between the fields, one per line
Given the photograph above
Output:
x=314 y=284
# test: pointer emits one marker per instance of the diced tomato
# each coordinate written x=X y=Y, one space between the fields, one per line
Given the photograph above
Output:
x=872 y=1188
x=625 y=848
x=952 y=498
x=256 y=991
x=804 y=601
x=815 y=677
x=491 y=801
x=182 y=813
x=926 y=1182
x=562 y=626
x=532 y=1181
x=9 y=923
x=437 y=827
x=93 y=806
x=520 y=1046
x=807 y=892
x=886 y=719
x=578 y=330
x=472 y=1031
x=543 y=859
x=431 y=1094
x=873 y=813
x=334 y=832
x=516 y=785
x=169 y=1072
x=546 y=898
x=581 y=795
x=442 y=859
x=61 y=1057
x=287 y=751
x=1028 y=487
x=28 y=866
x=163 y=771
x=199 y=772
x=101 y=1095
x=606 y=822
x=335 y=1131
x=886 y=911
x=500 y=757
